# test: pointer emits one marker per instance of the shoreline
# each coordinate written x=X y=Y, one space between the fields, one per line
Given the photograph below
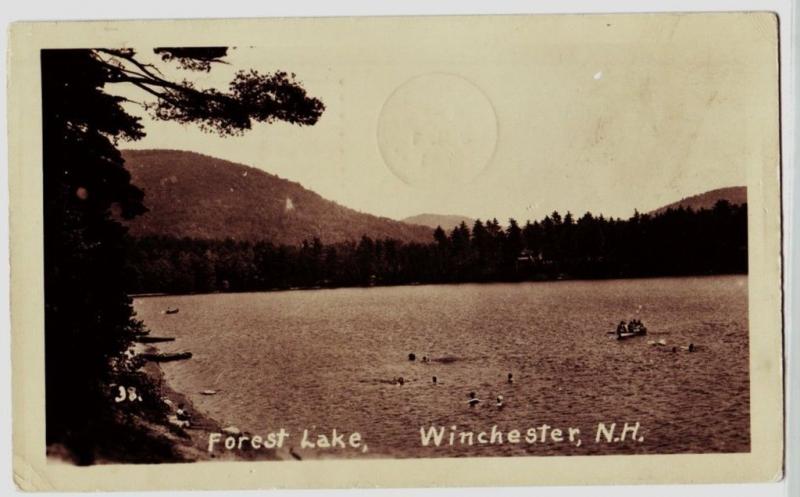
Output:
x=152 y=434
x=191 y=443
x=418 y=284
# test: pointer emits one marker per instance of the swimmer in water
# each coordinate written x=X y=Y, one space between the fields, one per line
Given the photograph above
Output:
x=499 y=404
x=510 y=378
x=472 y=400
x=435 y=380
x=412 y=357
x=401 y=381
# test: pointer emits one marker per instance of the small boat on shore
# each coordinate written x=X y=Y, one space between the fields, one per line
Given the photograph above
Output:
x=149 y=339
x=160 y=357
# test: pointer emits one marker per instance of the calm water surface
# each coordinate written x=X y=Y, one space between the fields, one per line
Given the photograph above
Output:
x=324 y=359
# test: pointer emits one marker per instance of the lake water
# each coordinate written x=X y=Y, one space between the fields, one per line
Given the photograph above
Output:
x=324 y=359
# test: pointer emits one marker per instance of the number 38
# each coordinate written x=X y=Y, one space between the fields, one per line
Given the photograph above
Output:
x=128 y=394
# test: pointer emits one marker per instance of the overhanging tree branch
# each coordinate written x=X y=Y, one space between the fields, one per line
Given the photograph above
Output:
x=251 y=96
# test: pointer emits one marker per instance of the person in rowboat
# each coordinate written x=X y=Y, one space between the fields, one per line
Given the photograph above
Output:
x=621 y=328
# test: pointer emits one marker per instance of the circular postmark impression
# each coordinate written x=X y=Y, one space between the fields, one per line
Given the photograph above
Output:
x=437 y=130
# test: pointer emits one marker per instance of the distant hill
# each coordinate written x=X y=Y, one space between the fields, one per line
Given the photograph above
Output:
x=447 y=222
x=194 y=195
x=734 y=195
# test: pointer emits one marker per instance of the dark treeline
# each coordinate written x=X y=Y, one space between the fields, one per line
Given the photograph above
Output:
x=673 y=243
x=89 y=322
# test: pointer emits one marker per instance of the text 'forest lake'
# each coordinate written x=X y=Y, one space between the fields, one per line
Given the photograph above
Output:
x=429 y=436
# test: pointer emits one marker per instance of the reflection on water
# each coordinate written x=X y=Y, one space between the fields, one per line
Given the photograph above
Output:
x=326 y=359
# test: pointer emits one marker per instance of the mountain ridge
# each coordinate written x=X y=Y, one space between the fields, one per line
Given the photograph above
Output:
x=446 y=221
x=189 y=194
x=734 y=194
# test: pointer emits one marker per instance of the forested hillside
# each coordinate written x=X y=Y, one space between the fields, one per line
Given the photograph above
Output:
x=193 y=195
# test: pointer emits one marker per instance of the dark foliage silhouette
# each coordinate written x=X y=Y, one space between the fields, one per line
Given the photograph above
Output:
x=88 y=317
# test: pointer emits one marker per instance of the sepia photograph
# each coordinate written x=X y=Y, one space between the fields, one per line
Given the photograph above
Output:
x=489 y=238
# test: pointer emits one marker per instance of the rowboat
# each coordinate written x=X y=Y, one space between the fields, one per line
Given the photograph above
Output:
x=640 y=332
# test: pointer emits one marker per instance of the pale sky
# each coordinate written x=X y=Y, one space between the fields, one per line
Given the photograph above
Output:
x=511 y=116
